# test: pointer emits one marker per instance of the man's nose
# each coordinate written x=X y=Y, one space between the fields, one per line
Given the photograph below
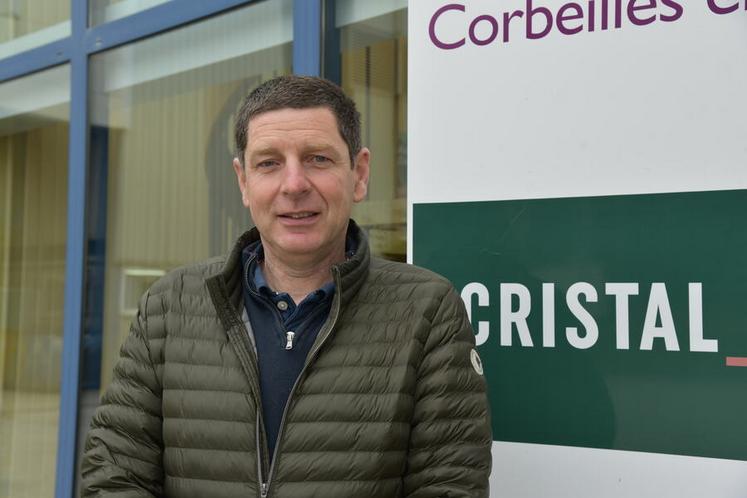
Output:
x=295 y=178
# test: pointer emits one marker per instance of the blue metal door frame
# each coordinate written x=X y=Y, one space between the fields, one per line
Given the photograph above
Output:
x=76 y=49
x=75 y=254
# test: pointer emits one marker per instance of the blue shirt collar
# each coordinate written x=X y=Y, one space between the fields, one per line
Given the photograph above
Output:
x=254 y=253
x=263 y=288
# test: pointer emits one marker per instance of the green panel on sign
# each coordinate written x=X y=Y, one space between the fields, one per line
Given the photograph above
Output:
x=653 y=376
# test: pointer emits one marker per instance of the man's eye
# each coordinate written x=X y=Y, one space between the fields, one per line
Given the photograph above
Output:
x=319 y=159
x=266 y=164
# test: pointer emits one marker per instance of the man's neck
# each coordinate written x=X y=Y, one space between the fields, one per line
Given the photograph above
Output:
x=299 y=278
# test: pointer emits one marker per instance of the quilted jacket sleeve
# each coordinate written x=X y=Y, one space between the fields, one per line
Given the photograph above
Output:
x=451 y=438
x=123 y=450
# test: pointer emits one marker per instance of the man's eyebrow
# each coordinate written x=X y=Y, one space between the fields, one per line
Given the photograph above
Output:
x=263 y=151
x=320 y=147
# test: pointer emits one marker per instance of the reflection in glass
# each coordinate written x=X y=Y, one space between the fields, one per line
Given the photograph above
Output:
x=33 y=207
x=26 y=24
x=102 y=11
x=373 y=41
x=162 y=112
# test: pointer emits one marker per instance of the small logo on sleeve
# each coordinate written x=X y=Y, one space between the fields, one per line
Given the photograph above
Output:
x=476 y=362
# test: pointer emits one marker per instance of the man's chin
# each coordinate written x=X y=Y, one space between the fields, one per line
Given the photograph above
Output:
x=295 y=245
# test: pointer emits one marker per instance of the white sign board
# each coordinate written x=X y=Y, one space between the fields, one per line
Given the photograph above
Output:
x=605 y=107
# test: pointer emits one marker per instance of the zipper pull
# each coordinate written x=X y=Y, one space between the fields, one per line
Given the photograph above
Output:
x=289 y=340
x=264 y=489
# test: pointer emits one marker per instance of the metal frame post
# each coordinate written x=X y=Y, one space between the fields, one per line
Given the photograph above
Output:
x=307 y=37
x=75 y=254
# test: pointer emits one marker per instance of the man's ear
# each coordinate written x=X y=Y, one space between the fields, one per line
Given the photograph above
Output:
x=361 y=170
x=241 y=178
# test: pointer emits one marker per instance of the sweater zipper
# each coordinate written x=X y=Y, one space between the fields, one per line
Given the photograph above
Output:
x=289 y=335
x=289 y=340
x=309 y=359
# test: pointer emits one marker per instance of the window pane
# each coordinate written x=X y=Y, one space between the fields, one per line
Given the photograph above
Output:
x=161 y=151
x=26 y=24
x=102 y=11
x=373 y=41
x=33 y=207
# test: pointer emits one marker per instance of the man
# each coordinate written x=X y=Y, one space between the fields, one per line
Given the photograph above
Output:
x=297 y=366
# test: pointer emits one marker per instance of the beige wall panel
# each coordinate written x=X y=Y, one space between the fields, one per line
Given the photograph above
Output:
x=373 y=74
x=6 y=180
x=27 y=16
x=158 y=192
x=35 y=278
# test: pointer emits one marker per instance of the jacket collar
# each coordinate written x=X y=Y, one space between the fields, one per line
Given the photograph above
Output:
x=226 y=286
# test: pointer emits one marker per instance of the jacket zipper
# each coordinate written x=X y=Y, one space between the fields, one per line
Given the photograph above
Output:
x=259 y=428
x=265 y=484
x=309 y=359
x=260 y=454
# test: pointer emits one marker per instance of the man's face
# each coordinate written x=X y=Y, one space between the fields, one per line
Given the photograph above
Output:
x=298 y=183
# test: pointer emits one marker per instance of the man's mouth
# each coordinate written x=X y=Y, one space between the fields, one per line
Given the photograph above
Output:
x=299 y=216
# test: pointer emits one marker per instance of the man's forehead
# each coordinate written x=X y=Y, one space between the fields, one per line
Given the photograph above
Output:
x=317 y=124
x=290 y=116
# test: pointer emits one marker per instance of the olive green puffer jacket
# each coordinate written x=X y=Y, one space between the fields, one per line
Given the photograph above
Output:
x=389 y=404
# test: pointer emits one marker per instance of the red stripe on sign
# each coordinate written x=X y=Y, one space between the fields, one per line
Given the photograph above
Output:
x=736 y=361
